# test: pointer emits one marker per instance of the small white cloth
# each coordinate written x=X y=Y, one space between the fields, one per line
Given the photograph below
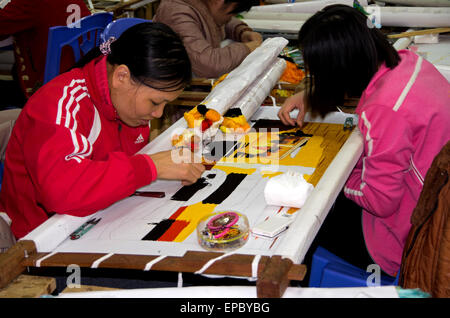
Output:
x=287 y=189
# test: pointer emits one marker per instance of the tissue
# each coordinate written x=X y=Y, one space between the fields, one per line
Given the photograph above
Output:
x=289 y=189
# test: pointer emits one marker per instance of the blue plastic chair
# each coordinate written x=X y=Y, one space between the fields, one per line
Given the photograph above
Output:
x=329 y=270
x=117 y=27
x=82 y=36
x=1 y=174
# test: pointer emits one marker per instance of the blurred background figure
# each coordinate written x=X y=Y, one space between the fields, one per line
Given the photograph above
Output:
x=204 y=25
x=27 y=22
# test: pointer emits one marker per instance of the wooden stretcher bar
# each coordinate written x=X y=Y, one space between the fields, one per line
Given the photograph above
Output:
x=273 y=273
x=418 y=32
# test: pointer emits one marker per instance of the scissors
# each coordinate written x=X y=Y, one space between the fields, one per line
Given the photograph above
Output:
x=84 y=228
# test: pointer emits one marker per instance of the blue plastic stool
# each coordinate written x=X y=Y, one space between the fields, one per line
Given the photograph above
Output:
x=117 y=27
x=329 y=270
x=1 y=174
x=82 y=36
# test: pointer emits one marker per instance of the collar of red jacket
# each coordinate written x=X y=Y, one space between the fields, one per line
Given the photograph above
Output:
x=98 y=87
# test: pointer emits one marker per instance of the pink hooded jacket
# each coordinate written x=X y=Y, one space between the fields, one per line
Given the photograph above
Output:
x=404 y=117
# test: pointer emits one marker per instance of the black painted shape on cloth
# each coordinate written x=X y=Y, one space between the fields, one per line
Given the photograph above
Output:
x=226 y=188
x=270 y=123
x=297 y=133
x=219 y=149
x=158 y=230
x=188 y=191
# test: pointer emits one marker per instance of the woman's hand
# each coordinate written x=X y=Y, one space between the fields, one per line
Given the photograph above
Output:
x=251 y=39
x=178 y=165
x=250 y=36
x=292 y=102
x=252 y=45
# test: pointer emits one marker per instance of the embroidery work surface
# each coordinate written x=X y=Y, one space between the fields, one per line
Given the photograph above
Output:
x=167 y=226
x=165 y=223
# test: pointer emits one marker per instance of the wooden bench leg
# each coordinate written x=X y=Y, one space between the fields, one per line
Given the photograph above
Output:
x=11 y=261
x=274 y=280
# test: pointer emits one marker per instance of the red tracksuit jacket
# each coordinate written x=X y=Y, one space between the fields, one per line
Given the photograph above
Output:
x=69 y=153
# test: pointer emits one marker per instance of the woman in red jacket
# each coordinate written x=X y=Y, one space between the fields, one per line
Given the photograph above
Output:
x=73 y=148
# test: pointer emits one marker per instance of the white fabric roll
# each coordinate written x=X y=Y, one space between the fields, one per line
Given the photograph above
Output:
x=413 y=17
x=304 y=7
x=289 y=189
x=52 y=232
x=255 y=94
x=228 y=92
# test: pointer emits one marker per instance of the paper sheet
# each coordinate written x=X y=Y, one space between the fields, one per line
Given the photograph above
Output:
x=238 y=292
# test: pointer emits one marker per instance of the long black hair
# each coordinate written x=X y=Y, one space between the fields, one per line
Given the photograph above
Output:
x=341 y=52
x=154 y=54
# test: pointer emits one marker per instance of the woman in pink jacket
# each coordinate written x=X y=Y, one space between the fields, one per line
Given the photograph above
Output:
x=404 y=116
x=73 y=147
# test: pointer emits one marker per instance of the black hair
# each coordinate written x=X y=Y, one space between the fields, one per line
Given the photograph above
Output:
x=242 y=5
x=154 y=54
x=342 y=51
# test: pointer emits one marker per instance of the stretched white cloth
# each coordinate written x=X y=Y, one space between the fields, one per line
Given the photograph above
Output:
x=287 y=189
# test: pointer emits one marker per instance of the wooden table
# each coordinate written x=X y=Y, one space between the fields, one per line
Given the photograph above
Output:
x=133 y=8
x=28 y=286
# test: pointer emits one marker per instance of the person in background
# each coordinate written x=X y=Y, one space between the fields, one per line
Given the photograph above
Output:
x=28 y=22
x=7 y=119
x=73 y=149
x=203 y=25
x=404 y=111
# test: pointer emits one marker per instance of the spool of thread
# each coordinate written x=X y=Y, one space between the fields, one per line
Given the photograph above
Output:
x=289 y=189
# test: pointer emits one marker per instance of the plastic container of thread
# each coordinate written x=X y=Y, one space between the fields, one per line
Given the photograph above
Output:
x=223 y=231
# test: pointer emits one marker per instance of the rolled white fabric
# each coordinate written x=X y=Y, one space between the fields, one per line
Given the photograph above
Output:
x=56 y=229
x=303 y=7
x=238 y=80
x=289 y=189
x=255 y=94
x=413 y=17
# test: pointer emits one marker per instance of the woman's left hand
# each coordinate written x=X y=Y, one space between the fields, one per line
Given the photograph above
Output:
x=251 y=36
